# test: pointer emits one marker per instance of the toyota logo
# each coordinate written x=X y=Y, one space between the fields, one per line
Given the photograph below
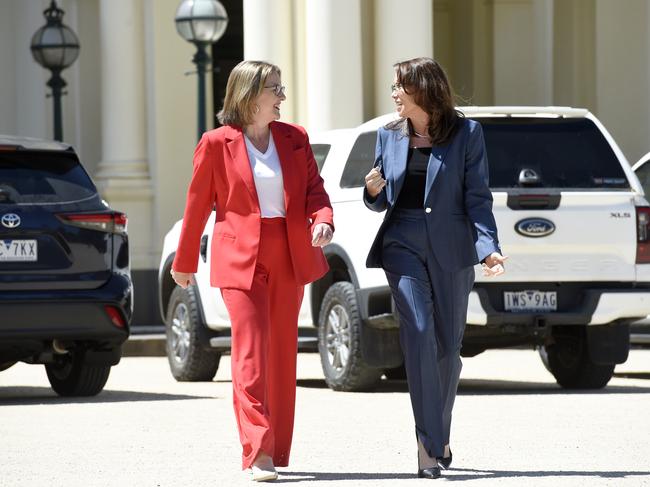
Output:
x=534 y=227
x=10 y=220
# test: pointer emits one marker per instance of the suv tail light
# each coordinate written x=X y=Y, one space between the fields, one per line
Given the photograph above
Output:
x=115 y=316
x=643 y=235
x=104 y=222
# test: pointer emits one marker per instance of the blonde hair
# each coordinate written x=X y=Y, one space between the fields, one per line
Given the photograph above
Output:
x=245 y=83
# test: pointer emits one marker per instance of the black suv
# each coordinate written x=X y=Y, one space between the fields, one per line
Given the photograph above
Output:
x=65 y=283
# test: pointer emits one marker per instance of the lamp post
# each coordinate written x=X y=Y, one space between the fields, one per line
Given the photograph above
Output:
x=201 y=22
x=55 y=47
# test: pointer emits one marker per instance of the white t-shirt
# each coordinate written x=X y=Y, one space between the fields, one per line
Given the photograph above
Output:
x=267 y=174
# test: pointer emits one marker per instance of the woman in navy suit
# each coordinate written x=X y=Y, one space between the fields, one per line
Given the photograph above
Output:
x=431 y=177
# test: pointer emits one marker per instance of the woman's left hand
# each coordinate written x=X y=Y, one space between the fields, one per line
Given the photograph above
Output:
x=321 y=235
x=493 y=264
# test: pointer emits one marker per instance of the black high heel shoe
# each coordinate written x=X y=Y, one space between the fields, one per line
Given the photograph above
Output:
x=445 y=462
x=428 y=473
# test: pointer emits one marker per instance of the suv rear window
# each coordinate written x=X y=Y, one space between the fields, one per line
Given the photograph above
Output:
x=560 y=152
x=37 y=177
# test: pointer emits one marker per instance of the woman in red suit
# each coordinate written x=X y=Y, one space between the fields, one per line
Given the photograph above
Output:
x=272 y=217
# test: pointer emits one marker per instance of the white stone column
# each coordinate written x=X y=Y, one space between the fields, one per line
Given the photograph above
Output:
x=334 y=64
x=623 y=73
x=123 y=173
x=268 y=36
x=403 y=30
x=523 y=52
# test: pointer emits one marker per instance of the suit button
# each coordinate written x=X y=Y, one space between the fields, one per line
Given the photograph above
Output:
x=427 y=210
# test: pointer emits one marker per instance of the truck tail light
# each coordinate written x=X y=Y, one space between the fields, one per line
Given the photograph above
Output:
x=105 y=222
x=643 y=235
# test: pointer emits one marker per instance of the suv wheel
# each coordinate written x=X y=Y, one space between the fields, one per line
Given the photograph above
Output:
x=70 y=375
x=339 y=342
x=189 y=361
x=569 y=362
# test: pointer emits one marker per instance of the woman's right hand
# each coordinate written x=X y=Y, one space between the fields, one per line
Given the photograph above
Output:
x=374 y=182
x=183 y=279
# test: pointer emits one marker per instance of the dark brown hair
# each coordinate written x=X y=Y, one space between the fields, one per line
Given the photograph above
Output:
x=425 y=80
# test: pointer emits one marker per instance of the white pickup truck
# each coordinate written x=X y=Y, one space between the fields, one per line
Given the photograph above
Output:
x=571 y=216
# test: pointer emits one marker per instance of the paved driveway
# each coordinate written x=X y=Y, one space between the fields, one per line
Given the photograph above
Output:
x=513 y=427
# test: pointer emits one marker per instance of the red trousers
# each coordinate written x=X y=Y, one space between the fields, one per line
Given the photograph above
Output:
x=264 y=324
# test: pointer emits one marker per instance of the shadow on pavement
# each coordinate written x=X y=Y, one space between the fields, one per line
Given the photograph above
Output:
x=473 y=474
x=320 y=476
x=507 y=387
x=633 y=375
x=495 y=387
x=22 y=395
x=468 y=474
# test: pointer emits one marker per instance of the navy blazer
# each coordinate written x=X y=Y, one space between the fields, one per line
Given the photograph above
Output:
x=460 y=224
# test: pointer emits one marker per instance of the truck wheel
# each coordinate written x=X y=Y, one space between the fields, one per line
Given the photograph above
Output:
x=569 y=362
x=70 y=375
x=339 y=334
x=188 y=358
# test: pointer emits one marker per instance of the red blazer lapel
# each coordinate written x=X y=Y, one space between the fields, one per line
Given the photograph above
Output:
x=283 y=145
x=239 y=155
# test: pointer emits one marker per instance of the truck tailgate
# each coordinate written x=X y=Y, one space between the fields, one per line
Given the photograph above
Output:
x=594 y=238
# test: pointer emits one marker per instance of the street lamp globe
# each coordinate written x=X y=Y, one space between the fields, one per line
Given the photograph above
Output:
x=54 y=46
x=201 y=21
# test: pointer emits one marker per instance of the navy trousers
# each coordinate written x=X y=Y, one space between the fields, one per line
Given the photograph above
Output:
x=432 y=309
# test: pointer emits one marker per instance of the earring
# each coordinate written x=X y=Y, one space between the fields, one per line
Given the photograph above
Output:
x=256 y=110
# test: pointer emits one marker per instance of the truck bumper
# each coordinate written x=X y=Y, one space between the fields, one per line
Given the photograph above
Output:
x=597 y=307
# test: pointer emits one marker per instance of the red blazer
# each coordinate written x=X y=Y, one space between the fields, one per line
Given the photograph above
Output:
x=223 y=177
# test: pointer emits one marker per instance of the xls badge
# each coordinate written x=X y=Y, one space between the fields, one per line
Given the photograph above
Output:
x=534 y=227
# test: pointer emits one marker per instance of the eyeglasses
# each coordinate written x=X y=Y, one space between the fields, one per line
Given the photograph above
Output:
x=277 y=89
x=395 y=87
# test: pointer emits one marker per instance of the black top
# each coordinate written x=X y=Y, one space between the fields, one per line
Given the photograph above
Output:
x=412 y=193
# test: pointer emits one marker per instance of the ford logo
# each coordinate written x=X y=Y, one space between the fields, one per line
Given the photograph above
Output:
x=534 y=227
x=10 y=220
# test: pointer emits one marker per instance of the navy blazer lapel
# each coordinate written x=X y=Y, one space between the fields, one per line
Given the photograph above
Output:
x=400 y=156
x=435 y=161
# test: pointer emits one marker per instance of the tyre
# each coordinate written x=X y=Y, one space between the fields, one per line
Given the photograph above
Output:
x=569 y=362
x=189 y=360
x=70 y=375
x=339 y=342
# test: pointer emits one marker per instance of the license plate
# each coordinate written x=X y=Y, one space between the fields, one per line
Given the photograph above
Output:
x=526 y=301
x=18 y=251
